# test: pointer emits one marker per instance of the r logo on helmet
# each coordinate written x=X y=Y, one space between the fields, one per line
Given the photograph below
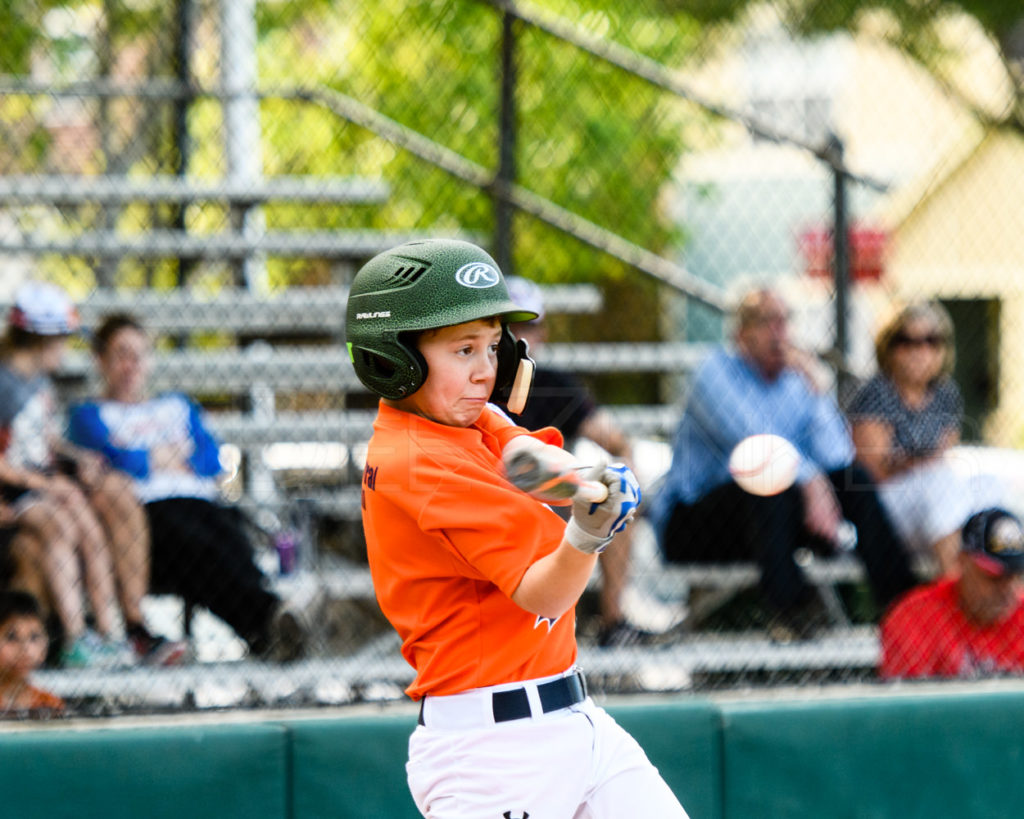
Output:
x=477 y=275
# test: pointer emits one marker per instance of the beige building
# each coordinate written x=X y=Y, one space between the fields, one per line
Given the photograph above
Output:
x=952 y=206
x=963 y=242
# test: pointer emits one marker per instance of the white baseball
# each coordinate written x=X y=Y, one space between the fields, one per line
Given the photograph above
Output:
x=764 y=464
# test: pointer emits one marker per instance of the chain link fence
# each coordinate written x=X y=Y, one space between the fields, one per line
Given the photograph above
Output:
x=219 y=170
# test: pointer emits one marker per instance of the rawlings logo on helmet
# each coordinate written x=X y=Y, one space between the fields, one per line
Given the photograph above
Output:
x=477 y=275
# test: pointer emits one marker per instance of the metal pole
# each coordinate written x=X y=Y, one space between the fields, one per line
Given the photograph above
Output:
x=106 y=268
x=504 y=211
x=841 y=260
x=245 y=167
x=242 y=121
x=184 y=15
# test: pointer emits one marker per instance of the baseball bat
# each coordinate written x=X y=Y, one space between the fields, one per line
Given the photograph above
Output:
x=548 y=482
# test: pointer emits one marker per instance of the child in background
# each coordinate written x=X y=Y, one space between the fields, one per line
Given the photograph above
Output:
x=95 y=534
x=23 y=646
x=199 y=547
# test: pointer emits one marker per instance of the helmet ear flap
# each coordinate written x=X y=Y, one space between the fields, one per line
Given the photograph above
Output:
x=416 y=363
x=515 y=371
x=394 y=372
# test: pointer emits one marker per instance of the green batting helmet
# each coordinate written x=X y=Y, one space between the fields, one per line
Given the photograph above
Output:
x=424 y=285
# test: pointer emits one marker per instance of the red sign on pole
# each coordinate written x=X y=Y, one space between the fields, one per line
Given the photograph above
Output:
x=867 y=252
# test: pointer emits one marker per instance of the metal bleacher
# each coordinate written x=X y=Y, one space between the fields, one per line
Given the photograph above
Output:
x=271 y=367
x=257 y=364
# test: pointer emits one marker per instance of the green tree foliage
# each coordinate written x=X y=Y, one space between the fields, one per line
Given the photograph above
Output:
x=591 y=138
x=915 y=28
x=19 y=22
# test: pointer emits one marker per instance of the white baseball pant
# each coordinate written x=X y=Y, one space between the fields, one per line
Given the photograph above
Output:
x=571 y=763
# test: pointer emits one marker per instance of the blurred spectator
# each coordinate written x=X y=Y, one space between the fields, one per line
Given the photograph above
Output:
x=200 y=549
x=764 y=385
x=83 y=513
x=21 y=556
x=23 y=648
x=561 y=400
x=904 y=420
x=969 y=624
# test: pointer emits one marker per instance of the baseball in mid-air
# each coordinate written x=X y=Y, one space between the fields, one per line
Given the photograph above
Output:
x=764 y=464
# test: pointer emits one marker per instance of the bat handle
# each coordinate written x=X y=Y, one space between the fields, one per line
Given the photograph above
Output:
x=593 y=491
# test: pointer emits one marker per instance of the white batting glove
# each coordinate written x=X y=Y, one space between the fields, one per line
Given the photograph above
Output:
x=593 y=525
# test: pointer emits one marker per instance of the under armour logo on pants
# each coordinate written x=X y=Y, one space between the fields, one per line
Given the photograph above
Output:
x=508 y=815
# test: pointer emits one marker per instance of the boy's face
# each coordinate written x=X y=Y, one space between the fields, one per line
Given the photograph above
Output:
x=462 y=362
x=125 y=363
x=23 y=644
x=51 y=353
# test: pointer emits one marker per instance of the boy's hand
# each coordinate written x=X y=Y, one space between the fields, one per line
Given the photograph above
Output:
x=593 y=525
x=546 y=472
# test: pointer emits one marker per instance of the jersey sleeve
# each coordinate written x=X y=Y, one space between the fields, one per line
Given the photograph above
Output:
x=205 y=458
x=493 y=532
x=87 y=429
x=462 y=502
x=828 y=445
x=463 y=516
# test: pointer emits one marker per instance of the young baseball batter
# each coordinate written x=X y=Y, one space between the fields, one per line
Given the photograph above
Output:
x=480 y=579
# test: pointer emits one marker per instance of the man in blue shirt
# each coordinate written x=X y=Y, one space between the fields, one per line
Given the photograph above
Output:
x=763 y=385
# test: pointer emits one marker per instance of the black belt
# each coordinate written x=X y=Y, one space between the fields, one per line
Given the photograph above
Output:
x=554 y=696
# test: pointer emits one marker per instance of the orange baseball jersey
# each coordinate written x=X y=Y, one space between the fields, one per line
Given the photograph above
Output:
x=449 y=540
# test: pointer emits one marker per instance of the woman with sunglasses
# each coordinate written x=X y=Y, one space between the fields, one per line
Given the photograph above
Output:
x=904 y=421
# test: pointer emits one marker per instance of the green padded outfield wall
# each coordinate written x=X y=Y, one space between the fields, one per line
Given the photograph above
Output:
x=886 y=756
x=941 y=756
x=180 y=772
x=352 y=768
x=683 y=740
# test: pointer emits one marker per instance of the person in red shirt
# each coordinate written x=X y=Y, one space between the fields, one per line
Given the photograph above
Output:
x=970 y=624
x=479 y=579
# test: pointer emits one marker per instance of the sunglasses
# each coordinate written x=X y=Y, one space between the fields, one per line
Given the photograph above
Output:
x=930 y=340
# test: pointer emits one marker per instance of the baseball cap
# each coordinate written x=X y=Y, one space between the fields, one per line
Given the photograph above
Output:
x=995 y=539
x=527 y=295
x=43 y=309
